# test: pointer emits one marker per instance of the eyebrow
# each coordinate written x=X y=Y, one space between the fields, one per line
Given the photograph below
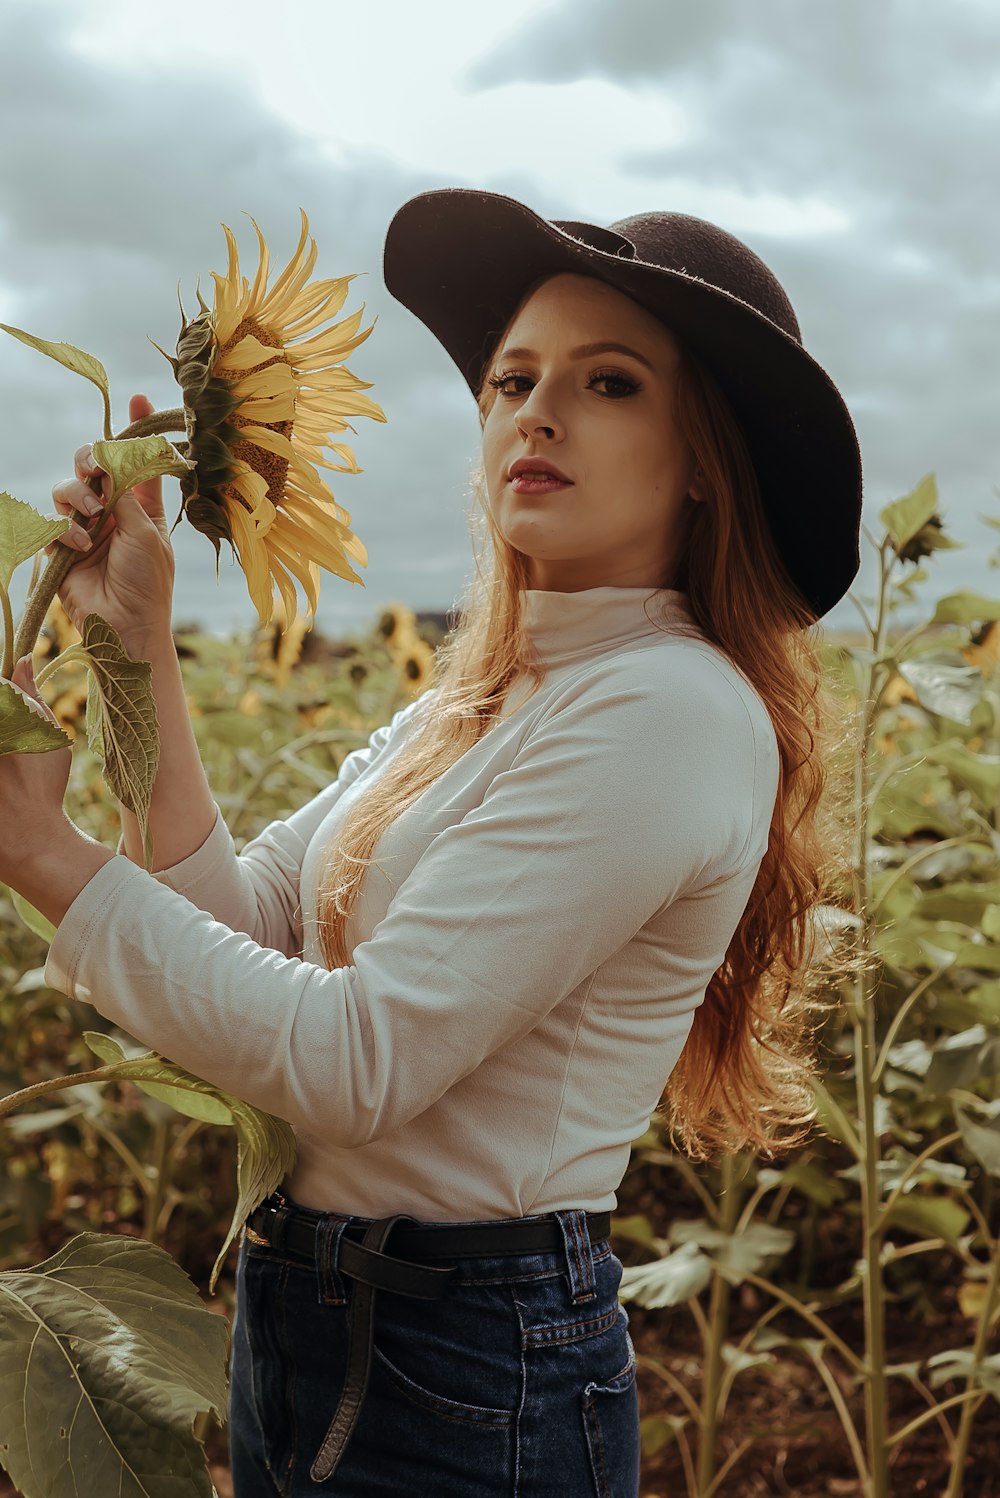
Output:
x=585 y=351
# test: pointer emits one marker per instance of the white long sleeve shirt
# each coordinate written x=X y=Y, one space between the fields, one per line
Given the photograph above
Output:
x=527 y=952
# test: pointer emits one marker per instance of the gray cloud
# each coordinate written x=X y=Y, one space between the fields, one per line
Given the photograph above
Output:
x=889 y=112
x=114 y=194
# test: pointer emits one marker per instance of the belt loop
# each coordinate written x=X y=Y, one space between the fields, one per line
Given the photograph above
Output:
x=579 y=1255
x=329 y=1231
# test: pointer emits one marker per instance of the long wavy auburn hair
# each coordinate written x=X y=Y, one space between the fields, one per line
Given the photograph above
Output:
x=743 y=1080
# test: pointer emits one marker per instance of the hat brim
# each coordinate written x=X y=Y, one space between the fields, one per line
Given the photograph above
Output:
x=461 y=260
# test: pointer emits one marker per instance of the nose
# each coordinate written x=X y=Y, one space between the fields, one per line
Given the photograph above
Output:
x=536 y=416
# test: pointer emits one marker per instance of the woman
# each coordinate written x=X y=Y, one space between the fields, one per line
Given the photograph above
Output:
x=583 y=863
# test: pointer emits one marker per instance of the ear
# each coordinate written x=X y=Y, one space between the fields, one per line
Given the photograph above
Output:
x=696 y=489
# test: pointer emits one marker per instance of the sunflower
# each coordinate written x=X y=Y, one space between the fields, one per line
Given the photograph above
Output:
x=265 y=387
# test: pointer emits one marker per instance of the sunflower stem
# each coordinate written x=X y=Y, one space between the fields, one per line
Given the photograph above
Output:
x=62 y=558
x=155 y=424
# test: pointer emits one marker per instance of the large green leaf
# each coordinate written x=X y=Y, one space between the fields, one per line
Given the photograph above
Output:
x=122 y=730
x=23 y=531
x=71 y=358
x=133 y=460
x=905 y=516
x=945 y=684
x=265 y=1146
x=107 y=1354
x=24 y=728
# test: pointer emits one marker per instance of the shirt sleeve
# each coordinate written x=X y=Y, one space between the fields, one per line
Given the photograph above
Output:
x=257 y=890
x=620 y=801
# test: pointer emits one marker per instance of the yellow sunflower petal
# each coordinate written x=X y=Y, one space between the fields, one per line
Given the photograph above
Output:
x=272 y=442
x=260 y=279
x=286 y=588
x=253 y=555
x=246 y=354
x=291 y=276
x=273 y=379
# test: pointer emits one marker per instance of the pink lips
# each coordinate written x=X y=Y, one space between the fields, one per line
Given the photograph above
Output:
x=536 y=476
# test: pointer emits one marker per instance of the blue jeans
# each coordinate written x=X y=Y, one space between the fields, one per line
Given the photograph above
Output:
x=519 y=1382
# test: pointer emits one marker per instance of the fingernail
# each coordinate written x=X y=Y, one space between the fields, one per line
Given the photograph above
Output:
x=81 y=541
x=92 y=505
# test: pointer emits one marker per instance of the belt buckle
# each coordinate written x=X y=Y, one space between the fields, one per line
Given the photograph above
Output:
x=273 y=1204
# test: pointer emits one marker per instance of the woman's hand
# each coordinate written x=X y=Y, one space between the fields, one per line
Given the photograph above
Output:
x=127 y=575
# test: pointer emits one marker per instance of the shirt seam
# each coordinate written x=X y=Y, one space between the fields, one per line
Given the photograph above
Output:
x=565 y=1085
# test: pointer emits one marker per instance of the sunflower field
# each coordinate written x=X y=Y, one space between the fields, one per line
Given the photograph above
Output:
x=819 y=1324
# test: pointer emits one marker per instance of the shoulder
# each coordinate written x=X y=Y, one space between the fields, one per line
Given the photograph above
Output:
x=677 y=684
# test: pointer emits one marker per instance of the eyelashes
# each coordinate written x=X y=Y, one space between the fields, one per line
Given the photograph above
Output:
x=624 y=384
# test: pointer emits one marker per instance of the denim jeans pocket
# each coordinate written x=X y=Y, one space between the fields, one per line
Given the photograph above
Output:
x=436 y=1353
x=610 y=1416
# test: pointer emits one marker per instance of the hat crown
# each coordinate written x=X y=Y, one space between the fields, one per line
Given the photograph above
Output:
x=694 y=247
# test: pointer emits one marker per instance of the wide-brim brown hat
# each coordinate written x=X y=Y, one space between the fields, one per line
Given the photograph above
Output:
x=461 y=261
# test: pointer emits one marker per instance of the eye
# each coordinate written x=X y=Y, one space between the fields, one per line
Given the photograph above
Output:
x=498 y=381
x=622 y=385
x=617 y=386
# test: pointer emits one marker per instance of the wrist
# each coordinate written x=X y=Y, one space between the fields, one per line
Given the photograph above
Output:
x=51 y=878
x=150 y=645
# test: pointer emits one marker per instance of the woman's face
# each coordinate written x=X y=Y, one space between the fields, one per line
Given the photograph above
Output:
x=604 y=418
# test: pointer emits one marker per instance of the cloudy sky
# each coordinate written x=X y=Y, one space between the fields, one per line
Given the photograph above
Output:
x=855 y=146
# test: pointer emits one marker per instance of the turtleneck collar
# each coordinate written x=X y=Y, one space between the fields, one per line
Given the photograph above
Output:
x=568 y=626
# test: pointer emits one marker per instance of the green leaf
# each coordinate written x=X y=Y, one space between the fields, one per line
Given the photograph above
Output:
x=122 y=730
x=736 y=1253
x=961 y=1059
x=813 y=1181
x=24 y=729
x=637 y=1229
x=32 y=918
x=981 y=1140
x=966 y=608
x=23 y=531
x=945 y=684
x=265 y=1146
x=973 y=771
x=71 y=358
x=930 y=1217
x=670 y=1281
x=133 y=460
x=107 y=1355
x=905 y=516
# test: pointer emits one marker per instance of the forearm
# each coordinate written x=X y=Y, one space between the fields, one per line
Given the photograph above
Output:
x=182 y=811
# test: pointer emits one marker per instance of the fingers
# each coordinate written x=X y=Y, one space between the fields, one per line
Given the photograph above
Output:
x=139 y=405
x=74 y=498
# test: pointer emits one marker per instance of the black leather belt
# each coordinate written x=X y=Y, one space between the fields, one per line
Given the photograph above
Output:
x=292 y=1230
